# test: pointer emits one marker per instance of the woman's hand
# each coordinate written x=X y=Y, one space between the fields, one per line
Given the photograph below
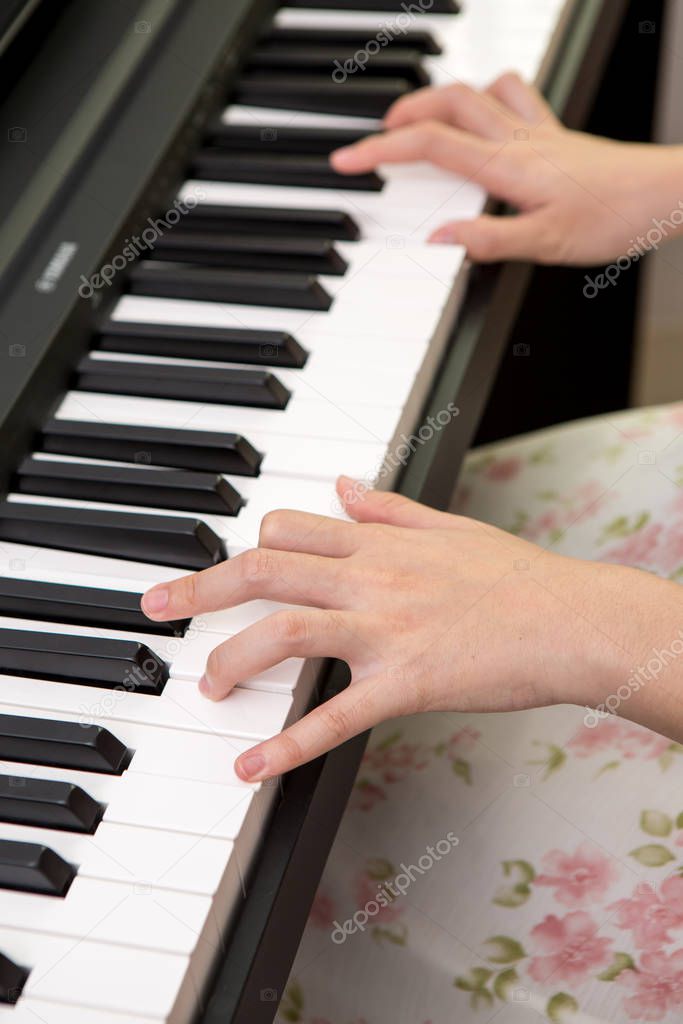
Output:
x=431 y=611
x=581 y=199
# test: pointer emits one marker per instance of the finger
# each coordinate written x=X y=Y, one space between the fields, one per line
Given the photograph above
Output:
x=458 y=105
x=290 y=577
x=309 y=533
x=368 y=506
x=356 y=709
x=442 y=145
x=522 y=98
x=309 y=633
x=489 y=239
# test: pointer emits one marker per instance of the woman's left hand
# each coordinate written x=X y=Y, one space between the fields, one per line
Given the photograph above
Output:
x=431 y=611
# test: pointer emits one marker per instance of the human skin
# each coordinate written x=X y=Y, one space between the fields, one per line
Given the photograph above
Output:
x=432 y=612
x=580 y=199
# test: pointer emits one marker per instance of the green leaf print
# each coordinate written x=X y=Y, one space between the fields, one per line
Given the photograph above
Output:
x=463 y=770
x=389 y=741
x=396 y=935
x=504 y=982
x=553 y=762
x=621 y=528
x=653 y=856
x=379 y=869
x=475 y=984
x=512 y=896
x=504 y=950
x=621 y=962
x=561 y=1008
x=292 y=1003
x=679 y=820
x=656 y=823
x=609 y=767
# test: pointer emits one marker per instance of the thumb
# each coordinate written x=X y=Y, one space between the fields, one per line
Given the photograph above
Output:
x=489 y=239
x=368 y=506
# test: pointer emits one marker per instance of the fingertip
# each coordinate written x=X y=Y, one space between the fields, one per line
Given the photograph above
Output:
x=446 y=235
x=155 y=601
x=251 y=767
x=343 y=159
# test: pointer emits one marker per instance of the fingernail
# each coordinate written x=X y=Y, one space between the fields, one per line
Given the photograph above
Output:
x=346 y=482
x=342 y=155
x=155 y=600
x=205 y=686
x=251 y=765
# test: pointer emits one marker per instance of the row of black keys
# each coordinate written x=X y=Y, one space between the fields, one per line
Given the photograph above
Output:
x=293 y=68
x=44 y=803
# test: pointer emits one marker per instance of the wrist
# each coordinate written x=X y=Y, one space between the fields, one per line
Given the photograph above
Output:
x=628 y=649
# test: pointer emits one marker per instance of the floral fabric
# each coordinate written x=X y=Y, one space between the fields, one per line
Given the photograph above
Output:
x=525 y=866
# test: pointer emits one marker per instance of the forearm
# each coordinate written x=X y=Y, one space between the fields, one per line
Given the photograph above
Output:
x=633 y=632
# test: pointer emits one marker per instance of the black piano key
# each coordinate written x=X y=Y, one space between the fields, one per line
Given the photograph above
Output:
x=219 y=344
x=319 y=93
x=29 y=867
x=45 y=803
x=250 y=252
x=211 y=284
x=257 y=388
x=273 y=220
x=306 y=171
x=324 y=60
x=396 y=6
x=281 y=139
x=184 y=542
x=346 y=39
x=53 y=744
x=87 y=660
x=12 y=980
x=174 y=489
x=157 y=446
x=80 y=606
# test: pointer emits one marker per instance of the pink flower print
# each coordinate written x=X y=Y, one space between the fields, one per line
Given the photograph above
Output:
x=603 y=736
x=568 y=948
x=397 y=761
x=323 y=911
x=547 y=522
x=656 y=986
x=614 y=734
x=649 y=915
x=639 y=549
x=462 y=742
x=577 y=877
x=366 y=795
x=501 y=470
x=367 y=889
x=637 y=741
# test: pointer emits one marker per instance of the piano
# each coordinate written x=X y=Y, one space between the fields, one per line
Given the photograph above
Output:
x=201 y=322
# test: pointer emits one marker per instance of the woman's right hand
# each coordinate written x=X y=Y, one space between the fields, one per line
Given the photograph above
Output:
x=581 y=199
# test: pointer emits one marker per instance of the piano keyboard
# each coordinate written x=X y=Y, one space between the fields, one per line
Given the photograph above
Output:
x=287 y=330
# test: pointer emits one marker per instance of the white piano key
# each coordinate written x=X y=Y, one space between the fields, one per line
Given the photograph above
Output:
x=197 y=755
x=392 y=214
x=321 y=378
x=156 y=985
x=181 y=706
x=323 y=419
x=172 y=804
x=131 y=914
x=41 y=1011
x=139 y=856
